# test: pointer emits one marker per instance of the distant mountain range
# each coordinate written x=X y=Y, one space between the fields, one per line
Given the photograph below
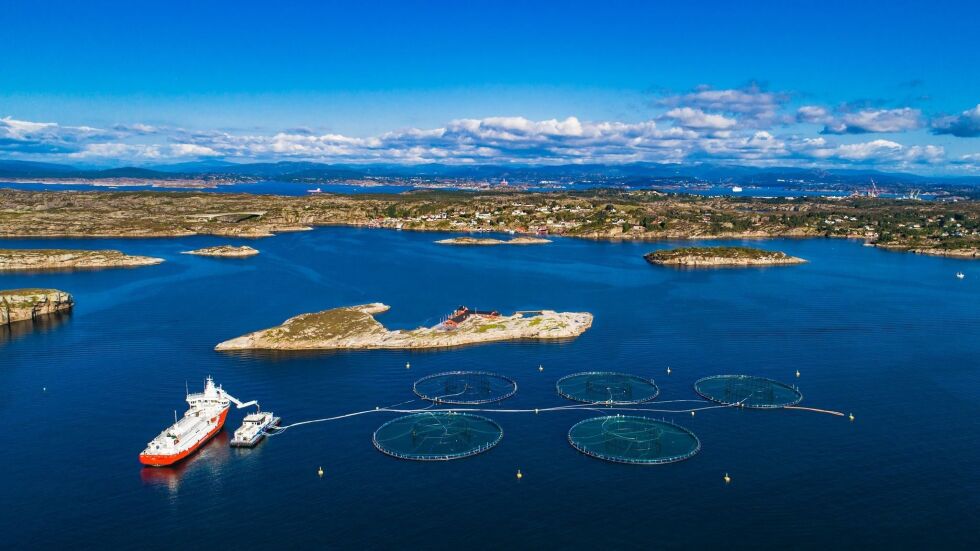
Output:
x=627 y=174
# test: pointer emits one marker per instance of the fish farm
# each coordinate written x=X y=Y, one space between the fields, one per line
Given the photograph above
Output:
x=465 y=388
x=633 y=439
x=747 y=391
x=437 y=436
x=608 y=388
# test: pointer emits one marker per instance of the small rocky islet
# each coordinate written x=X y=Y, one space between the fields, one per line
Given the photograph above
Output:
x=27 y=304
x=721 y=257
x=225 y=251
x=485 y=241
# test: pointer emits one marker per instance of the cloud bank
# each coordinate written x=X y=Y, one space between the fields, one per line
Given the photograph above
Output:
x=749 y=126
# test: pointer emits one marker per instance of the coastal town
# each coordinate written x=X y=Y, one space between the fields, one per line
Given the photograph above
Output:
x=928 y=227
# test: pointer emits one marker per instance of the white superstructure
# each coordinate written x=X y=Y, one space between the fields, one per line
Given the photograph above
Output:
x=203 y=419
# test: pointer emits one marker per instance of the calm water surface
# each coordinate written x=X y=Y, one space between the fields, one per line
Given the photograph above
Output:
x=894 y=338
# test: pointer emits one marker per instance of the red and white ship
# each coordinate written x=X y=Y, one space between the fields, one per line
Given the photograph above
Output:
x=202 y=420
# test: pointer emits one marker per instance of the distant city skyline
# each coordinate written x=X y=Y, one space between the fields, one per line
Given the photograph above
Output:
x=886 y=85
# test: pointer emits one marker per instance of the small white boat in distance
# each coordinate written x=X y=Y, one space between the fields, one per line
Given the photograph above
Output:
x=253 y=429
x=317 y=190
x=736 y=189
x=960 y=275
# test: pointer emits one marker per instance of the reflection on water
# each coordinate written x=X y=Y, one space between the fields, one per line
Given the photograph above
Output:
x=208 y=460
x=43 y=324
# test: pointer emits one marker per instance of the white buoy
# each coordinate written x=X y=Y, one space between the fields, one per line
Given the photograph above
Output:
x=851 y=417
x=728 y=479
x=540 y=368
x=668 y=370
x=319 y=472
x=692 y=413
x=519 y=474
x=797 y=373
x=408 y=365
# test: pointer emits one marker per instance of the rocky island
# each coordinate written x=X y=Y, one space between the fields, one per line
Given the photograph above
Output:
x=698 y=257
x=69 y=259
x=27 y=304
x=354 y=327
x=492 y=241
x=228 y=251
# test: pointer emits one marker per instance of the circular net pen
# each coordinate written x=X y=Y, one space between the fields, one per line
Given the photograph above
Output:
x=747 y=391
x=603 y=387
x=465 y=387
x=634 y=440
x=437 y=436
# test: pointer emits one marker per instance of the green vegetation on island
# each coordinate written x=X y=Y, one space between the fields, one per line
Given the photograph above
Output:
x=720 y=256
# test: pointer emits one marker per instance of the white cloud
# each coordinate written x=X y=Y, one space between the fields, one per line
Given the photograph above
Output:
x=964 y=125
x=875 y=120
x=689 y=117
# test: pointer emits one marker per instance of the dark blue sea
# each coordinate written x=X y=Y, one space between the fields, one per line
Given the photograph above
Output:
x=892 y=338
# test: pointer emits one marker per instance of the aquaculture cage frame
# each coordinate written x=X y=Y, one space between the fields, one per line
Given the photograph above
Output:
x=799 y=395
x=443 y=400
x=659 y=461
x=438 y=457
x=564 y=394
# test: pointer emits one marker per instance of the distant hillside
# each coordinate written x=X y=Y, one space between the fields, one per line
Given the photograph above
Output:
x=627 y=174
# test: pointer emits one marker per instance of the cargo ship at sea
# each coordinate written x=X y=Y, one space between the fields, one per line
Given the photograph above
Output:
x=203 y=419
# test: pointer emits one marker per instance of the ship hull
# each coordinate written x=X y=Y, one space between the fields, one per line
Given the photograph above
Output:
x=151 y=460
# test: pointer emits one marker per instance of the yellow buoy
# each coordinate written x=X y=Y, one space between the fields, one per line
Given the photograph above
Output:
x=850 y=416
x=728 y=479
x=519 y=474
x=319 y=471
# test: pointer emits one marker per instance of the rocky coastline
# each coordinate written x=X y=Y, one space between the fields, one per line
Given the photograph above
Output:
x=27 y=304
x=720 y=257
x=69 y=259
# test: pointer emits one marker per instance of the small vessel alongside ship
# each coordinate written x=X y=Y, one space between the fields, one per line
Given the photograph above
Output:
x=204 y=417
x=254 y=428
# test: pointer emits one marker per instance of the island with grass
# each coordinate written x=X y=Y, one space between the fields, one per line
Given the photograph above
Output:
x=354 y=327
x=28 y=304
x=698 y=257
x=69 y=259
x=226 y=251
x=492 y=241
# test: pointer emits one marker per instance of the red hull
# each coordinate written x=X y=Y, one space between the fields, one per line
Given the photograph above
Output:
x=164 y=460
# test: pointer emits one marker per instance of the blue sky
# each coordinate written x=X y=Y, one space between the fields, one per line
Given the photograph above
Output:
x=893 y=85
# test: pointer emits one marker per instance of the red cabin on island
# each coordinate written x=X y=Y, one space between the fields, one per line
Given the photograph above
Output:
x=463 y=313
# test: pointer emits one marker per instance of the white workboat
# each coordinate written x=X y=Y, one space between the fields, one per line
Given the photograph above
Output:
x=253 y=429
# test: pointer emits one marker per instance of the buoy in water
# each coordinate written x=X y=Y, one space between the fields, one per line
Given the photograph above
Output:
x=408 y=365
x=535 y=411
x=797 y=373
x=668 y=370
x=692 y=413
x=850 y=416
x=519 y=474
x=540 y=368
x=319 y=472
x=728 y=479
